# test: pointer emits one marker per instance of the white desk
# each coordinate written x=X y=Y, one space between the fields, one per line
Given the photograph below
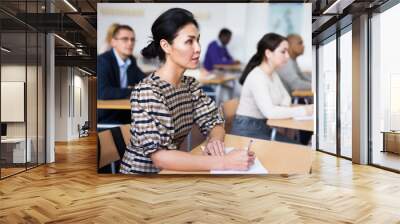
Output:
x=18 y=149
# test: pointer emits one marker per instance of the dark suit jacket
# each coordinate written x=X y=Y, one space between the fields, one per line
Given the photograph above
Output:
x=109 y=87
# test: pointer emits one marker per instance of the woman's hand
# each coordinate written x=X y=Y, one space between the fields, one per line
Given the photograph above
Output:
x=239 y=159
x=215 y=147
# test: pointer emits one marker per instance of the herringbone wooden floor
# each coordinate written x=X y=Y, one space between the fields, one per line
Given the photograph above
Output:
x=70 y=191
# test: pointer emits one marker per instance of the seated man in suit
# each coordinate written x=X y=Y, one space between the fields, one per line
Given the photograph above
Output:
x=217 y=52
x=117 y=73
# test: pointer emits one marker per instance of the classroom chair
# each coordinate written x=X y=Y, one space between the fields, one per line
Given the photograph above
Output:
x=229 y=108
x=111 y=147
x=194 y=139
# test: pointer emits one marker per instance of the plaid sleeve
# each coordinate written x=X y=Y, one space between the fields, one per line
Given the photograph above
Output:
x=206 y=113
x=152 y=127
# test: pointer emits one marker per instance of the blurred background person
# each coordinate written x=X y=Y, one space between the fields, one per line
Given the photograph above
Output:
x=107 y=42
x=217 y=53
x=291 y=75
x=263 y=94
x=294 y=79
x=117 y=73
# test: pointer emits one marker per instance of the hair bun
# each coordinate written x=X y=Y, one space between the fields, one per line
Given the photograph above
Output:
x=150 y=51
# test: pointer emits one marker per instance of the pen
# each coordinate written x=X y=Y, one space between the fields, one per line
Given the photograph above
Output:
x=248 y=146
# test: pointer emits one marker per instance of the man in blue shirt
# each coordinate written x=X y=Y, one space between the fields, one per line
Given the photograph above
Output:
x=217 y=52
x=117 y=73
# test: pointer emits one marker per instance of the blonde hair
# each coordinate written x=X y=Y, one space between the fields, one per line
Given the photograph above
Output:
x=110 y=32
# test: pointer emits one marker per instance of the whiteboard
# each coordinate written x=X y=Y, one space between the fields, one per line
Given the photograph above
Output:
x=12 y=101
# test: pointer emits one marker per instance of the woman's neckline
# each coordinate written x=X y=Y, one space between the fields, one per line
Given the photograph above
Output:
x=269 y=77
x=154 y=74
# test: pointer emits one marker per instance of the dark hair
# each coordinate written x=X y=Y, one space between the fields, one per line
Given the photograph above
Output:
x=166 y=27
x=119 y=28
x=269 y=41
x=224 y=32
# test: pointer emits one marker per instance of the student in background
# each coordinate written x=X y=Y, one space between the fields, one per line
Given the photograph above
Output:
x=166 y=104
x=107 y=42
x=263 y=94
x=117 y=73
x=291 y=75
x=217 y=53
x=293 y=78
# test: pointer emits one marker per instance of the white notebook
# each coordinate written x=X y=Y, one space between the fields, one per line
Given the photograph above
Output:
x=304 y=118
x=257 y=167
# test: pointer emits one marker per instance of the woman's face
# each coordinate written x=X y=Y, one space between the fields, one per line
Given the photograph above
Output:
x=185 y=48
x=280 y=56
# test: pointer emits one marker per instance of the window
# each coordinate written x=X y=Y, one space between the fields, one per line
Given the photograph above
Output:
x=385 y=89
x=327 y=96
x=346 y=94
x=22 y=74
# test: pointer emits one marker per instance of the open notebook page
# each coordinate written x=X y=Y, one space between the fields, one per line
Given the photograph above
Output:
x=257 y=167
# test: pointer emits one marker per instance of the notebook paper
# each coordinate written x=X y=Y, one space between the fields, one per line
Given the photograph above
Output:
x=257 y=167
x=304 y=118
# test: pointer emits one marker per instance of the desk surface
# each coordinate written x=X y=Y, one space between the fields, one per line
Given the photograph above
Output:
x=302 y=93
x=13 y=140
x=122 y=104
x=305 y=125
x=232 y=67
x=276 y=157
x=217 y=79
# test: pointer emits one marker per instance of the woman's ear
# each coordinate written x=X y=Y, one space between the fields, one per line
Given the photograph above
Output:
x=268 y=54
x=112 y=42
x=165 y=46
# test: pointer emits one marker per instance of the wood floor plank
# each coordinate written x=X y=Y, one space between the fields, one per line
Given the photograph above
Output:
x=70 y=191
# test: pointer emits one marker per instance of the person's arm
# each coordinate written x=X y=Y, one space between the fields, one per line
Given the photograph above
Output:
x=290 y=77
x=206 y=113
x=152 y=131
x=215 y=56
x=178 y=160
x=305 y=76
x=209 y=118
x=230 y=58
x=300 y=84
x=237 y=159
x=287 y=99
x=215 y=141
x=217 y=133
x=105 y=90
x=263 y=100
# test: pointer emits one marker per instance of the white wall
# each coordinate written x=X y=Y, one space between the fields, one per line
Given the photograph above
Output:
x=15 y=72
x=81 y=104
x=61 y=103
x=33 y=126
x=70 y=83
x=248 y=22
